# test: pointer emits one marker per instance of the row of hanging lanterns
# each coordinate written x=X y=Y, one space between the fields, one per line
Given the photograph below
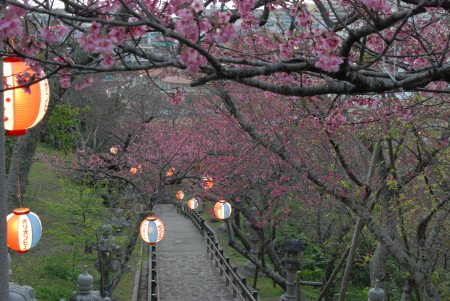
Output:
x=23 y=109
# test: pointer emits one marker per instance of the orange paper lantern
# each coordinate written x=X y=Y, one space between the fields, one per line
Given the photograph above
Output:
x=170 y=172
x=24 y=230
x=23 y=110
x=113 y=150
x=180 y=195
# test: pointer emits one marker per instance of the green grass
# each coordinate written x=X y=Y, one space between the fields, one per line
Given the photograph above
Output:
x=53 y=266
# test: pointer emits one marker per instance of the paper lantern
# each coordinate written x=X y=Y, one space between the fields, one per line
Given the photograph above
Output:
x=222 y=210
x=23 y=229
x=180 y=195
x=152 y=230
x=133 y=170
x=206 y=182
x=113 y=150
x=170 y=172
x=23 y=110
x=193 y=203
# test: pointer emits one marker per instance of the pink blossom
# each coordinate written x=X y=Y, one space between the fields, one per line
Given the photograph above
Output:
x=84 y=83
x=193 y=60
x=198 y=6
x=178 y=96
x=95 y=27
x=328 y=62
x=108 y=60
x=244 y=6
x=53 y=33
x=378 y=5
x=205 y=25
x=65 y=82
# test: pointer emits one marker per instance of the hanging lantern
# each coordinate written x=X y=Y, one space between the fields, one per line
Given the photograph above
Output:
x=23 y=230
x=170 y=172
x=133 y=170
x=23 y=110
x=222 y=210
x=206 y=182
x=152 y=230
x=113 y=150
x=193 y=203
x=180 y=195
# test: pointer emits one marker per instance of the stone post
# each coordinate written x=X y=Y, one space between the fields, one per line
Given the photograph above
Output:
x=376 y=293
x=292 y=263
x=84 y=285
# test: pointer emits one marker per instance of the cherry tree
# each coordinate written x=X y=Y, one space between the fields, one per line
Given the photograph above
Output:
x=334 y=47
x=323 y=53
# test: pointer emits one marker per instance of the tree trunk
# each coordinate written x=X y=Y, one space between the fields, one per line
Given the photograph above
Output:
x=407 y=290
x=377 y=265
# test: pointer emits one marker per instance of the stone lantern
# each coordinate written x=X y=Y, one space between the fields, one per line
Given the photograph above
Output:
x=253 y=237
x=84 y=285
x=107 y=254
x=292 y=263
x=376 y=293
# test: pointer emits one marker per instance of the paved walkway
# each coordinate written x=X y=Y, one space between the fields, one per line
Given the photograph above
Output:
x=185 y=271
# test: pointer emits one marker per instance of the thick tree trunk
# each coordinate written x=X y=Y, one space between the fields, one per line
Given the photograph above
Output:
x=377 y=265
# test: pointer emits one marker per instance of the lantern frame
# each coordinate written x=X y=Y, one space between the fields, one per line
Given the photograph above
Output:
x=24 y=230
x=152 y=230
x=222 y=210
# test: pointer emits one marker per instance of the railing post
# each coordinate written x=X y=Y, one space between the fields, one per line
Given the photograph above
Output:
x=202 y=227
x=221 y=262
x=244 y=285
x=234 y=282
x=227 y=271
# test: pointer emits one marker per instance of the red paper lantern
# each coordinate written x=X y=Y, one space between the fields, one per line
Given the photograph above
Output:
x=193 y=203
x=23 y=110
x=222 y=210
x=23 y=229
x=180 y=195
x=152 y=230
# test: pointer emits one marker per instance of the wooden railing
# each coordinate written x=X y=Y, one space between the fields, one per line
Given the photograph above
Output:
x=153 y=288
x=232 y=276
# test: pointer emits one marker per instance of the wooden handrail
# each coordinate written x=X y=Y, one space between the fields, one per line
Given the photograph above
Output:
x=153 y=287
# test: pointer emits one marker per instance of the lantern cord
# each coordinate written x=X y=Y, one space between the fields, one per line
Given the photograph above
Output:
x=19 y=196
